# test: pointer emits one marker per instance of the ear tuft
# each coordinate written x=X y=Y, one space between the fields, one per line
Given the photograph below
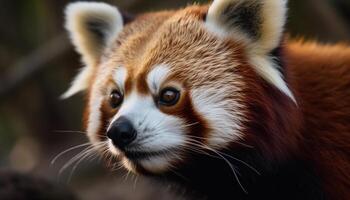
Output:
x=80 y=82
x=257 y=23
x=92 y=28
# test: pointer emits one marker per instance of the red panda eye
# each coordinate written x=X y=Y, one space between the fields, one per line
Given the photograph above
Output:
x=169 y=96
x=115 y=99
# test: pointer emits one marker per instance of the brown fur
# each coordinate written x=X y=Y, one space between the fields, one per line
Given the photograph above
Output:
x=316 y=130
x=321 y=76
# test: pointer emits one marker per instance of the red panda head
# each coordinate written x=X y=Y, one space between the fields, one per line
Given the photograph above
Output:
x=170 y=84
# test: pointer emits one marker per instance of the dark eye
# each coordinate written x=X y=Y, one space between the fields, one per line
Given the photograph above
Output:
x=115 y=99
x=169 y=96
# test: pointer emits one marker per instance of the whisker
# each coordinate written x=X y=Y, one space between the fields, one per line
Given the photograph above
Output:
x=126 y=176
x=73 y=159
x=68 y=131
x=110 y=159
x=135 y=182
x=232 y=157
x=68 y=150
x=229 y=164
x=87 y=150
x=88 y=155
x=201 y=145
x=189 y=125
x=205 y=138
x=241 y=161
x=117 y=166
x=179 y=175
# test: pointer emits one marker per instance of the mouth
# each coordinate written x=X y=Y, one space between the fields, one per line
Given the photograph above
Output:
x=149 y=162
x=142 y=155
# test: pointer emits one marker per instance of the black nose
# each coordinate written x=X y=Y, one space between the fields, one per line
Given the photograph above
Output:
x=121 y=132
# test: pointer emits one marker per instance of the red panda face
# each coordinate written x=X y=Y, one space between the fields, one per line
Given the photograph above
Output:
x=178 y=96
x=169 y=84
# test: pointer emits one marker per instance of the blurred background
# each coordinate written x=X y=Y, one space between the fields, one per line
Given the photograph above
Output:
x=37 y=64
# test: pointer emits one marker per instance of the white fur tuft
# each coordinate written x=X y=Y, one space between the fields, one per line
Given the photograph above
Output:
x=223 y=113
x=266 y=68
x=80 y=82
x=119 y=77
x=156 y=77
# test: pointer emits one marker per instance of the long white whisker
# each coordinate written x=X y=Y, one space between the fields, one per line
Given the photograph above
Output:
x=204 y=138
x=73 y=159
x=68 y=131
x=68 y=150
x=234 y=158
x=90 y=154
x=241 y=161
x=189 y=125
x=201 y=145
x=76 y=157
x=229 y=164
x=87 y=155
x=135 y=182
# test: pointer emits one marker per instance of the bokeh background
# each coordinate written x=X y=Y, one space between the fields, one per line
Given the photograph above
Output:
x=37 y=64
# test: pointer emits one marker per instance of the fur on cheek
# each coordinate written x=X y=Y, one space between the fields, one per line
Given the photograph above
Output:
x=195 y=123
x=94 y=122
x=224 y=115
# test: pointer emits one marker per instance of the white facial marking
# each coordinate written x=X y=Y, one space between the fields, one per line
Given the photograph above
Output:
x=222 y=112
x=119 y=76
x=94 y=121
x=111 y=147
x=156 y=164
x=156 y=130
x=156 y=77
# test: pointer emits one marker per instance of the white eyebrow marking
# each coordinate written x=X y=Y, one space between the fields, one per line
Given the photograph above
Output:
x=157 y=76
x=119 y=76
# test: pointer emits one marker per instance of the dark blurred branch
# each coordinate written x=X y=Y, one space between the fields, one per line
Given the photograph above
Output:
x=330 y=17
x=317 y=20
x=32 y=64
x=37 y=60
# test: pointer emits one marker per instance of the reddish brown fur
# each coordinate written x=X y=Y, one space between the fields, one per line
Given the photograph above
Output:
x=317 y=130
x=321 y=77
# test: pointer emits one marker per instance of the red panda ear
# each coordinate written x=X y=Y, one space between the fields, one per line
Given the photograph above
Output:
x=92 y=27
x=257 y=23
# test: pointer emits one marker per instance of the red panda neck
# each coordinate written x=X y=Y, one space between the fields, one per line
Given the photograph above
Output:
x=274 y=121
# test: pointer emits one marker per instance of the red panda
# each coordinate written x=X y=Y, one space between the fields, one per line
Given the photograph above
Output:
x=215 y=99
